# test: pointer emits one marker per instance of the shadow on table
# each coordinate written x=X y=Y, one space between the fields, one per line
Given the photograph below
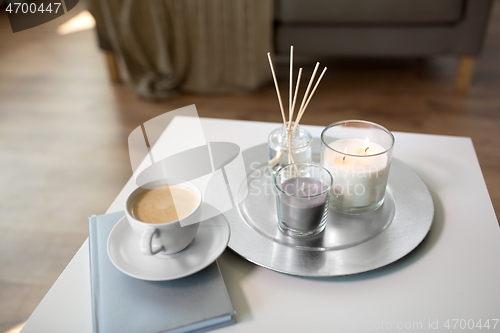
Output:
x=420 y=251
x=231 y=264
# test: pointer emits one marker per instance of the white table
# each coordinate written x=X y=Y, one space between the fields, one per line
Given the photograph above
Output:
x=452 y=277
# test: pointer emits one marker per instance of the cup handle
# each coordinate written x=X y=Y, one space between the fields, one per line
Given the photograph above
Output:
x=147 y=242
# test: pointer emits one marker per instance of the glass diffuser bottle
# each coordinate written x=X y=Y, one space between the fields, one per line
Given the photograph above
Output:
x=283 y=140
x=290 y=143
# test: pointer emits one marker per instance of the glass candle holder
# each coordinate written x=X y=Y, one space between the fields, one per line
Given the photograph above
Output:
x=282 y=142
x=302 y=198
x=358 y=155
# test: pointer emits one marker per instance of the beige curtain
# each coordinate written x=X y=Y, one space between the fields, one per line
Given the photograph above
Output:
x=190 y=45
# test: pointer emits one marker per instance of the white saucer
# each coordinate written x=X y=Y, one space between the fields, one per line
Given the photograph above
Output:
x=209 y=243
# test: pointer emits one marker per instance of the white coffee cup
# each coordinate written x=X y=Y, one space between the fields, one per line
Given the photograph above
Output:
x=164 y=238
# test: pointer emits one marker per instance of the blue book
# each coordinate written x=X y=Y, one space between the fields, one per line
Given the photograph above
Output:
x=120 y=303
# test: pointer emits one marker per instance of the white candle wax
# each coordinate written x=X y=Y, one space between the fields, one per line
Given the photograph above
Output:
x=358 y=181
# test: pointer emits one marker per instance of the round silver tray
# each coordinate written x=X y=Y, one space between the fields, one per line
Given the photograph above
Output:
x=350 y=244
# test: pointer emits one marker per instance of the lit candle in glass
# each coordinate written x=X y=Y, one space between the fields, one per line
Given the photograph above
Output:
x=358 y=155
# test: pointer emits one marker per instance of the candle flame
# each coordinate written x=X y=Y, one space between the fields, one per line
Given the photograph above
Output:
x=366 y=144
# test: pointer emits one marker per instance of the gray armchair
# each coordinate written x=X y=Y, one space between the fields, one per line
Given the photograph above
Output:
x=366 y=28
x=399 y=28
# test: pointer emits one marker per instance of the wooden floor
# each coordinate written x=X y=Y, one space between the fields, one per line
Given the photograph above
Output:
x=64 y=128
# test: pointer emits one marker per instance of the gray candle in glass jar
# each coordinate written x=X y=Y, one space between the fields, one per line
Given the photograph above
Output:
x=301 y=208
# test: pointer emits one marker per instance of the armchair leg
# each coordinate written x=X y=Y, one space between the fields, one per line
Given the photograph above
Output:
x=465 y=69
x=112 y=67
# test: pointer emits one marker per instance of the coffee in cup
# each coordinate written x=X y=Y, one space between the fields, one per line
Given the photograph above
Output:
x=164 y=204
x=154 y=212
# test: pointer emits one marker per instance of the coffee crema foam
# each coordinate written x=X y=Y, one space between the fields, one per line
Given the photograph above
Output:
x=164 y=204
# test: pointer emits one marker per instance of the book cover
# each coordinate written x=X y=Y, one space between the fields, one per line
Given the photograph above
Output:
x=120 y=303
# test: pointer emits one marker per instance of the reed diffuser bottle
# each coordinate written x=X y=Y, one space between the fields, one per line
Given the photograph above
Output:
x=290 y=143
x=287 y=145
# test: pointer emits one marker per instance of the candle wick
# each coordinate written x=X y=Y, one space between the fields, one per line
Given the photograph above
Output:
x=343 y=159
x=366 y=149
